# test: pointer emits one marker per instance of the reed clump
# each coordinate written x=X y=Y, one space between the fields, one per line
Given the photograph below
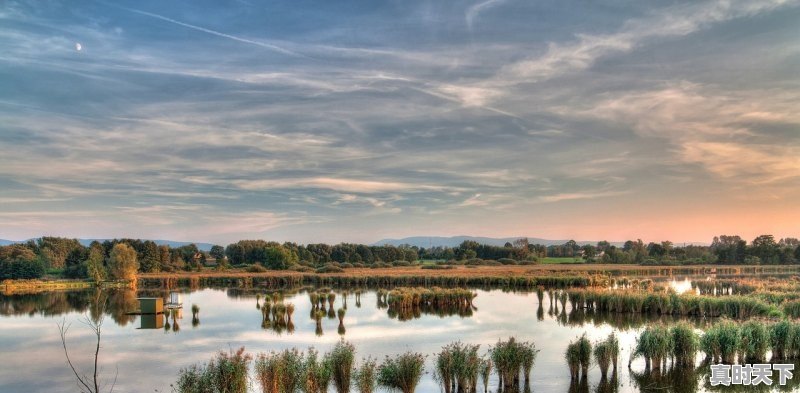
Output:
x=279 y=372
x=685 y=344
x=606 y=353
x=721 y=342
x=341 y=359
x=402 y=372
x=364 y=376
x=578 y=356
x=755 y=341
x=225 y=373
x=655 y=345
x=512 y=358
x=316 y=373
x=664 y=303
x=457 y=367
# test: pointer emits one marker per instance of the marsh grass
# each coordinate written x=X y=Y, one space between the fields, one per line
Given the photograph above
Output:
x=402 y=372
x=364 y=376
x=340 y=360
x=606 y=353
x=316 y=373
x=754 y=341
x=721 y=342
x=664 y=303
x=510 y=359
x=685 y=344
x=780 y=337
x=485 y=372
x=457 y=367
x=225 y=373
x=279 y=372
x=655 y=345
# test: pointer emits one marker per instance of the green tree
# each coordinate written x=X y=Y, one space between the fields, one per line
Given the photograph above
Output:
x=75 y=266
x=94 y=264
x=151 y=261
x=122 y=263
x=217 y=252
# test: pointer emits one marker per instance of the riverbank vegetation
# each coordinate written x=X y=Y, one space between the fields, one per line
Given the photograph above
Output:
x=69 y=258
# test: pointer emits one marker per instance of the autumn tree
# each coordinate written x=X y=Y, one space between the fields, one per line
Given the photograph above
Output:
x=122 y=263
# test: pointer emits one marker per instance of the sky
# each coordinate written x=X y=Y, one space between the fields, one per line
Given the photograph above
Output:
x=331 y=121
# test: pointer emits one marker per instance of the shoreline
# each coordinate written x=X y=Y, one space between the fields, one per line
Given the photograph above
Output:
x=458 y=275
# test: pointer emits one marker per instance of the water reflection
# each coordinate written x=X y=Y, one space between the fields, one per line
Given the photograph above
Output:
x=152 y=358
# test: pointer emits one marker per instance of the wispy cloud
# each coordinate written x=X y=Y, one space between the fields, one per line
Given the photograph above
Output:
x=265 y=45
x=475 y=10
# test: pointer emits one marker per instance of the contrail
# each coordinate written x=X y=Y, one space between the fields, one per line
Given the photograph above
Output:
x=212 y=32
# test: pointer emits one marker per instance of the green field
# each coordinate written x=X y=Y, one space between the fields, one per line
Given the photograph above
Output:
x=560 y=260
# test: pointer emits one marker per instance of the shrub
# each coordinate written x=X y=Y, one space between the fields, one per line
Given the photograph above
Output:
x=437 y=267
x=507 y=261
x=257 y=268
x=330 y=268
x=402 y=372
x=346 y=265
x=401 y=263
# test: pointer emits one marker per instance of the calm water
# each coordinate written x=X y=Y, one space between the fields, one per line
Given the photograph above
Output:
x=149 y=359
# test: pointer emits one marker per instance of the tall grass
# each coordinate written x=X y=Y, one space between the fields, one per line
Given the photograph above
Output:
x=402 y=372
x=364 y=376
x=280 y=372
x=510 y=359
x=457 y=367
x=655 y=345
x=316 y=373
x=629 y=301
x=754 y=341
x=685 y=344
x=606 y=352
x=485 y=371
x=721 y=342
x=573 y=358
x=341 y=359
x=780 y=337
x=225 y=373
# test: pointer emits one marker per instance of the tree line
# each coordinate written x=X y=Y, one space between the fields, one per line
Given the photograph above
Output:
x=123 y=258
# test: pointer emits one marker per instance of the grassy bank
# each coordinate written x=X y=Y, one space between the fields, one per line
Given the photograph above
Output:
x=11 y=287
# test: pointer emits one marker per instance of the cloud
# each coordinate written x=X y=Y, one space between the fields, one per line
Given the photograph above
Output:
x=475 y=10
x=272 y=47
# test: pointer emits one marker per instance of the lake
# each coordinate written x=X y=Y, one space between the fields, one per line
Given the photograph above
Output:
x=149 y=360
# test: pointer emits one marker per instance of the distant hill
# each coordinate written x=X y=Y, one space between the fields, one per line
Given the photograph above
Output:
x=454 y=241
x=86 y=242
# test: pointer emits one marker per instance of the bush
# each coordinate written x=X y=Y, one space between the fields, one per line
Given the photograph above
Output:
x=302 y=269
x=346 y=265
x=437 y=267
x=401 y=263
x=330 y=268
x=380 y=265
x=257 y=268
x=358 y=265
x=21 y=269
x=508 y=261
